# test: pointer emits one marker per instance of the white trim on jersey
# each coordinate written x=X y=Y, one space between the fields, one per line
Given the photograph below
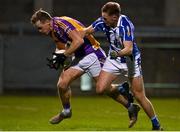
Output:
x=118 y=24
x=97 y=24
x=131 y=27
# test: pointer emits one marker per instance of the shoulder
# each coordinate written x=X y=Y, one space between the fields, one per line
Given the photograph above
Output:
x=64 y=22
x=124 y=20
x=60 y=20
x=98 y=21
x=99 y=24
x=57 y=21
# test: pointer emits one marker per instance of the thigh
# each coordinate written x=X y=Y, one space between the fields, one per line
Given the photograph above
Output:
x=134 y=66
x=69 y=75
x=105 y=79
x=115 y=67
x=89 y=64
x=95 y=69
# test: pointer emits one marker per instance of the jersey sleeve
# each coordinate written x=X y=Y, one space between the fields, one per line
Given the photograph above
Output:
x=98 y=24
x=128 y=29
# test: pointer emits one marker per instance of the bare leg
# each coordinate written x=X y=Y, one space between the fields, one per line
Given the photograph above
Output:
x=104 y=85
x=111 y=91
x=65 y=93
x=139 y=93
x=115 y=95
x=104 y=81
x=63 y=84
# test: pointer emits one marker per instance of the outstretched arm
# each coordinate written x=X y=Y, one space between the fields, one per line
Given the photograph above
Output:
x=86 y=31
x=89 y=30
x=126 y=51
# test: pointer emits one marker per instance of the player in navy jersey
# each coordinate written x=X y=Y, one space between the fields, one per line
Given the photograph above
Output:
x=88 y=55
x=124 y=56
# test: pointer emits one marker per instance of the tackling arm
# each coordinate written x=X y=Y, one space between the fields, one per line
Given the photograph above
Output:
x=126 y=51
x=86 y=31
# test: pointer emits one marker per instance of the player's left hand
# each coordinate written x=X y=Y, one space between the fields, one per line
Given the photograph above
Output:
x=113 y=54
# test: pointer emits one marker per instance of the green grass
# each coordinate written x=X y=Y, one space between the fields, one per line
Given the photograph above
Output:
x=89 y=114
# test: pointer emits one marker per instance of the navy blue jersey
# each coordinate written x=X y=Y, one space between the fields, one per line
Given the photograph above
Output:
x=124 y=31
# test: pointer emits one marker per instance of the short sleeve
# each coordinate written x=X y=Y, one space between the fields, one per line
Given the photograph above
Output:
x=128 y=29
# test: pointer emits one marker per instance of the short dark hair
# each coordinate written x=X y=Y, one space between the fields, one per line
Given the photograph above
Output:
x=40 y=15
x=112 y=8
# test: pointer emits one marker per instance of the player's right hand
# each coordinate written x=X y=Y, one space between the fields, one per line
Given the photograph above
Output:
x=113 y=55
x=52 y=63
x=57 y=60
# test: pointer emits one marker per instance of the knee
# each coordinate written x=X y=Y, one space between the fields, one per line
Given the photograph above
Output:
x=100 y=88
x=62 y=85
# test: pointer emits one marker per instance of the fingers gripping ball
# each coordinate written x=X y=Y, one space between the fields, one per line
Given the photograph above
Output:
x=58 y=52
x=59 y=60
x=68 y=60
x=59 y=56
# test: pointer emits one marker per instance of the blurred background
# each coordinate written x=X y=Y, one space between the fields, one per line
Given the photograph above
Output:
x=23 y=50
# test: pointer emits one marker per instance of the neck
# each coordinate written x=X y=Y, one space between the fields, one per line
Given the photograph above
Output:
x=114 y=24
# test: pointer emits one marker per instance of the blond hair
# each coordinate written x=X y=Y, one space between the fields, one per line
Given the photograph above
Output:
x=40 y=15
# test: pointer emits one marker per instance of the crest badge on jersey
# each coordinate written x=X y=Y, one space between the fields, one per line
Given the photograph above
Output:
x=60 y=33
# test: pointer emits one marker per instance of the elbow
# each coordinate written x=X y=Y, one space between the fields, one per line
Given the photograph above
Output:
x=128 y=51
x=80 y=41
x=77 y=43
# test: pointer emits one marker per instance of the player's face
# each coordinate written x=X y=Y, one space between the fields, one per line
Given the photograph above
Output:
x=43 y=27
x=110 y=20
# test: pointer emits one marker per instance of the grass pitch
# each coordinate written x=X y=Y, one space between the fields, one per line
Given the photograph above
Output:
x=89 y=114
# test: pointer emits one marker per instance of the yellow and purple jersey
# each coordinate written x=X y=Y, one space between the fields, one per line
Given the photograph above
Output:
x=61 y=28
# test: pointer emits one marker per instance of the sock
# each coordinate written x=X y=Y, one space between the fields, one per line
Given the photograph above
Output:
x=128 y=105
x=66 y=107
x=121 y=89
x=155 y=121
